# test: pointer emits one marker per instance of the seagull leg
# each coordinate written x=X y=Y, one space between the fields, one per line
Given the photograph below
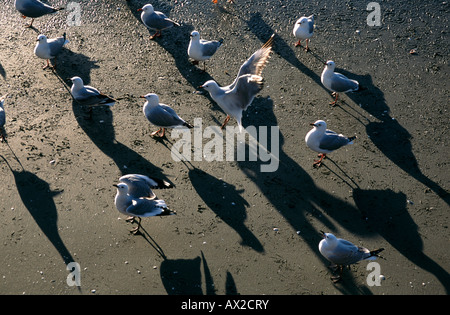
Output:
x=337 y=278
x=136 y=231
x=157 y=34
x=225 y=122
x=298 y=43
x=307 y=43
x=158 y=133
x=336 y=95
x=2 y=136
x=31 y=23
x=318 y=163
x=214 y=1
x=155 y=132
x=130 y=219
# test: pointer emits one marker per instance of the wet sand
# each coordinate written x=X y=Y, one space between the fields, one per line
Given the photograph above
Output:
x=237 y=230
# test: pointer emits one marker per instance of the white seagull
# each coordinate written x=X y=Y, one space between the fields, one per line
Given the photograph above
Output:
x=236 y=97
x=200 y=49
x=155 y=20
x=325 y=141
x=141 y=207
x=34 y=9
x=337 y=82
x=161 y=115
x=2 y=118
x=342 y=253
x=49 y=48
x=303 y=30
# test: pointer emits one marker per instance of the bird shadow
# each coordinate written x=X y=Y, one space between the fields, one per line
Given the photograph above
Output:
x=37 y=198
x=2 y=72
x=184 y=277
x=387 y=134
x=386 y=215
x=226 y=202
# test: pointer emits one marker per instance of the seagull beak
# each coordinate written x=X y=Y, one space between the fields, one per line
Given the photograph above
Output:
x=322 y=232
x=312 y=124
x=140 y=9
x=116 y=186
x=142 y=96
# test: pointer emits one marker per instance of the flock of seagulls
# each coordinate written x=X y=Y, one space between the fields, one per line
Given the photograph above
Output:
x=135 y=197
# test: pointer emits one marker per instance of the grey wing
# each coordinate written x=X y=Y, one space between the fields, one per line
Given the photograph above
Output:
x=91 y=96
x=256 y=63
x=311 y=26
x=143 y=207
x=332 y=141
x=164 y=116
x=35 y=9
x=139 y=185
x=209 y=47
x=346 y=253
x=246 y=88
x=340 y=83
x=55 y=45
x=158 y=21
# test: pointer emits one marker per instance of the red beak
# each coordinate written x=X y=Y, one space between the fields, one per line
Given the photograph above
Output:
x=139 y=9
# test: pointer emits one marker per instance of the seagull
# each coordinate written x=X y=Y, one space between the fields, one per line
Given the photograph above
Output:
x=337 y=82
x=236 y=97
x=34 y=9
x=141 y=207
x=161 y=115
x=2 y=118
x=341 y=252
x=142 y=185
x=155 y=20
x=303 y=30
x=49 y=48
x=325 y=141
x=201 y=49
x=88 y=95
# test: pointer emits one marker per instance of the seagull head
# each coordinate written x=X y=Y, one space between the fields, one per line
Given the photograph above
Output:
x=302 y=21
x=77 y=81
x=152 y=98
x=328 y=236
x=320 y=124
x=148 y=8
x=209 y=85
x=195 y=35
x=330 y=65
x=122 y=188
x=41 y=38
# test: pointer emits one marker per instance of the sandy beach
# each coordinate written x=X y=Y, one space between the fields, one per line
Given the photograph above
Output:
x=238 y=229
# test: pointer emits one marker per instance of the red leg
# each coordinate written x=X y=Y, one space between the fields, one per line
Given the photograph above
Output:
x=298 y=43
x=336 y=95
x=225 y=122
x=318 y=163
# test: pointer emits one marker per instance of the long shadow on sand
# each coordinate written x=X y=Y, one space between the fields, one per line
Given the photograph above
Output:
x=292 y=191
x=391 y=138
x=37 y=198
x=226 y=202
x=184 y=277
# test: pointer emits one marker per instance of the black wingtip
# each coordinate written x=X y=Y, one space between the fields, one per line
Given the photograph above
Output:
x=376 y=252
